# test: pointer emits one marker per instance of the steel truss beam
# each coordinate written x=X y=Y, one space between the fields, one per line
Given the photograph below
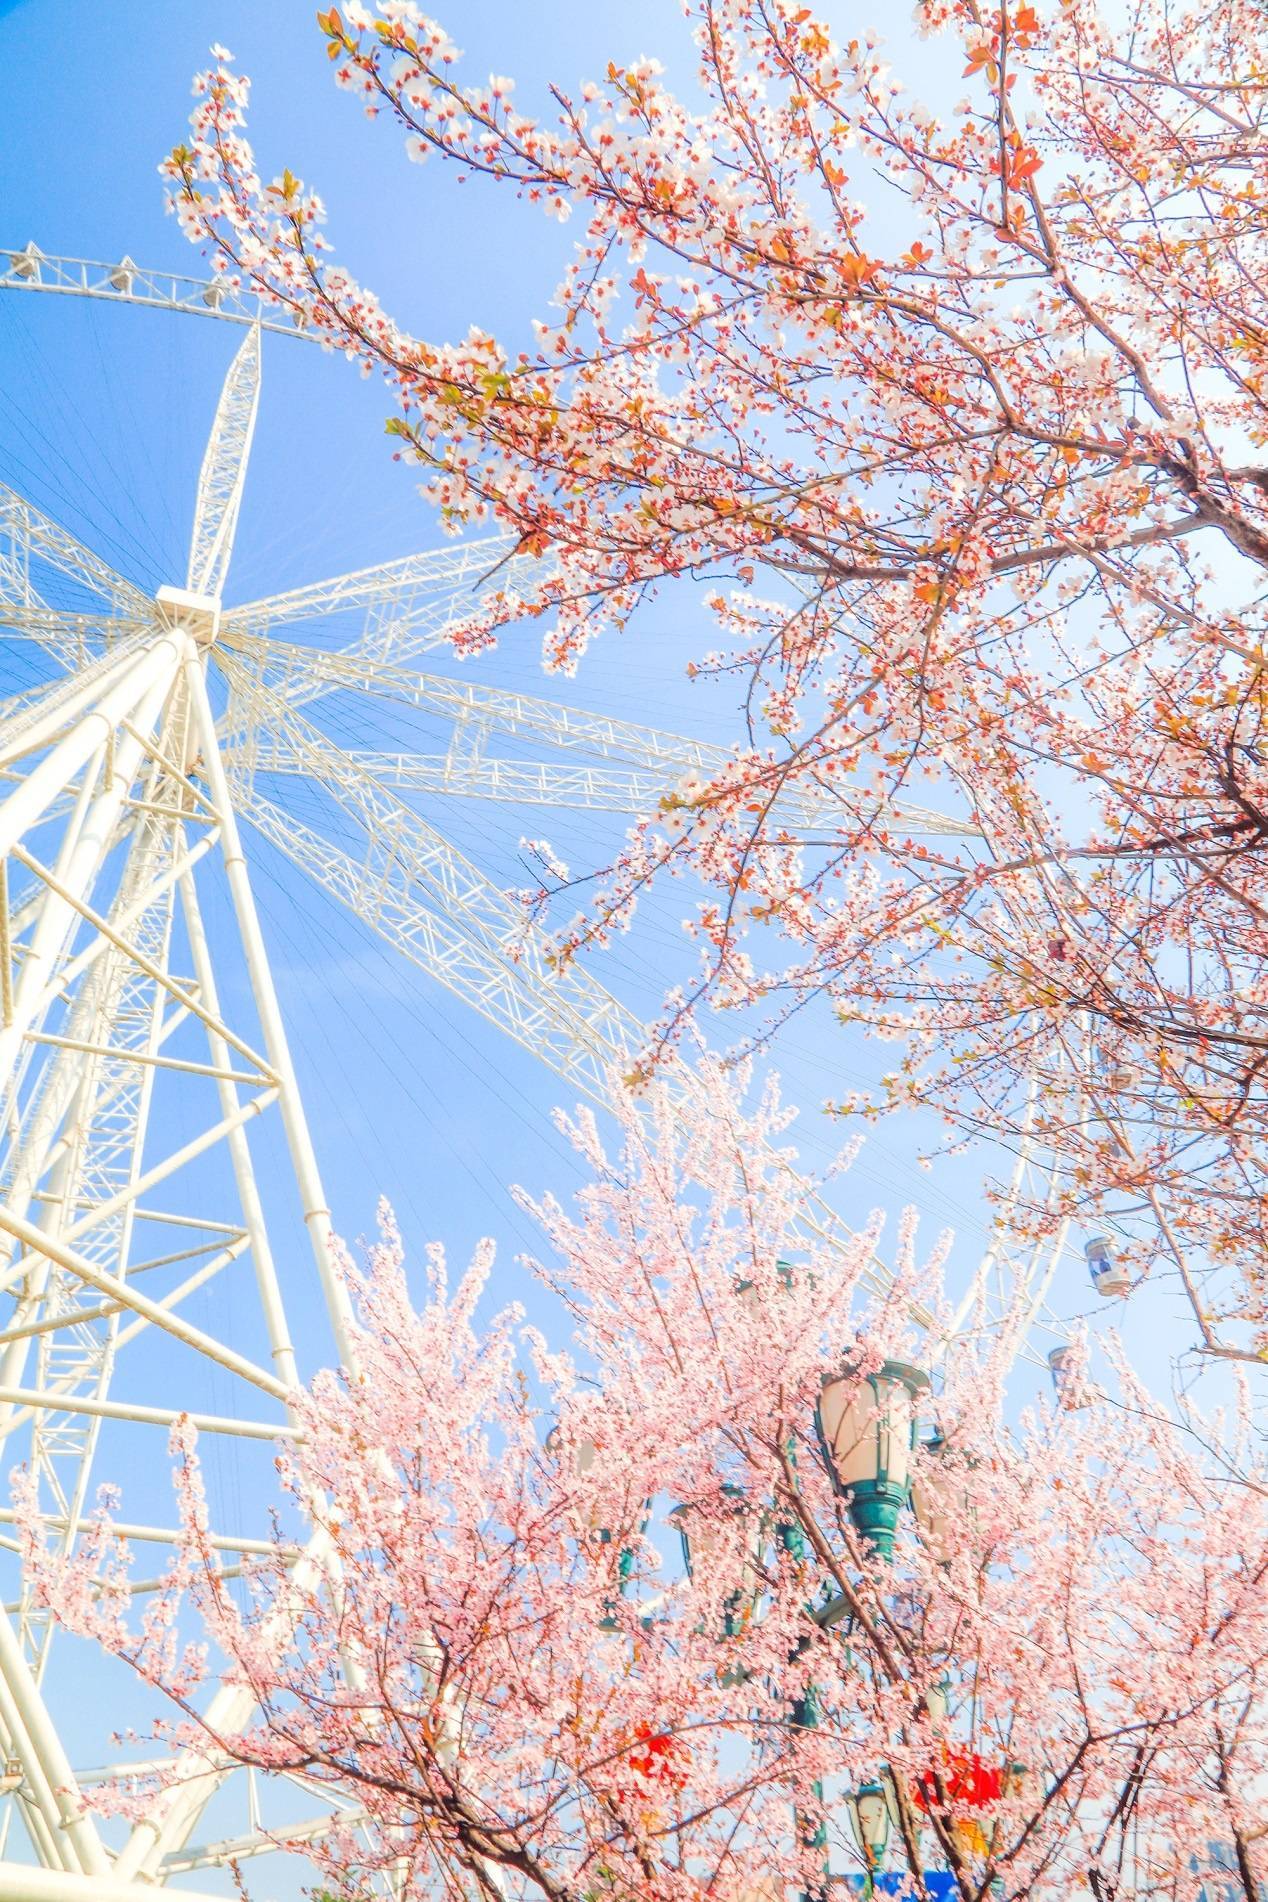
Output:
x=428 y=583
x=29 y=269
x=223 y=471
x=30 y=539
x=465 y=773
x=413 y=889
x=299 y=675
x=54 y=1124
x=515 y=782
x=410 y=607
x=20 y=1884
x=417 y=891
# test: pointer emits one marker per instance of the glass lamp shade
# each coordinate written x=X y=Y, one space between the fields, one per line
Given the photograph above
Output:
x=1018 y=1781
x=584 y=1455
x=708 y=1536
x=749 y=1292
x=938 y=1700
x=868 y=1809
x=867 y=1433
x=941 y=1498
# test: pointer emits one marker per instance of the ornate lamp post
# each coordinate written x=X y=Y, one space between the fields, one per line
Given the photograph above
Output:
x=867 y=1434
x=704 y=1536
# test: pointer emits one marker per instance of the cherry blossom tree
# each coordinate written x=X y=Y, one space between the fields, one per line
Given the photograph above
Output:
x=1061 y=1677
x=957 y=409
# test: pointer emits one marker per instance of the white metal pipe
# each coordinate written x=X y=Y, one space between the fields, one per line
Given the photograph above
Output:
x=87 y=842
x=127 y=1769
x=181 y=768
x=260 y=1842
x=152 y=1262
x=78 y=1826
x=40 y=1818
x=54 y=923
x=98 y=1212
x=41 y=1244
x=276 y=1325
x=18 y=1884
x=20 y=711
x=40 y=1152
x=182 y=1293
x=107 y=930
x=156 y=664
x=299 y=1139
x=160 y=840
x=37 y=725
x=89 y=955
x=26 y=1330
x=178 y=1808
x=6 y=948
x=203 y=1222
x=143 y=1057
x=146 y=1416
x=154 y=1535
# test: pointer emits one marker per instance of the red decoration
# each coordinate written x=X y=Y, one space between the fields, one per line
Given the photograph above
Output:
x=660 y=1759
x=968 y=1783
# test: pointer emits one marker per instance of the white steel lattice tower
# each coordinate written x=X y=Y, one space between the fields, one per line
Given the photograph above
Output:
x=142 y=1056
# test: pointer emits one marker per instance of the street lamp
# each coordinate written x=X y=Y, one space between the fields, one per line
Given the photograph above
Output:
x=706 y=1535
x=867 y=1433
x=585 y=1456
x=870 y=1812
x=709 y=1536
x=938 y=1700
x=942 y=1498
x=751 y=1294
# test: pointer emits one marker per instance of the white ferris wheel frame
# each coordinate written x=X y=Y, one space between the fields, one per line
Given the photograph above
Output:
x=126 y=750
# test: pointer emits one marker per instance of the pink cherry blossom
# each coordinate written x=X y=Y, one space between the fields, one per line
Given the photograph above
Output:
x=500 y=1659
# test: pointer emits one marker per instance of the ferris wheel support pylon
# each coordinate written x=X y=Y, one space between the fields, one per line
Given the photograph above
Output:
x=48 y=1251
x=303 y=1155
x=22 y=1884
x=125 y=762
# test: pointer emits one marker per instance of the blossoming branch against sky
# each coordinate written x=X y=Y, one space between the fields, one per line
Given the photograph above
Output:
x=106 y=413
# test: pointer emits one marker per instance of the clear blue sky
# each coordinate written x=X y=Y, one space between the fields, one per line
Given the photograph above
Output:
x=103 y=414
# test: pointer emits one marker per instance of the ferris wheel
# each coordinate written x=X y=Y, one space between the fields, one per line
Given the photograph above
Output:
x=142 y=1055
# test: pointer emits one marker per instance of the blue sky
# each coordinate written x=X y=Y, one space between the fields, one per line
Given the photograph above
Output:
x=103 y=415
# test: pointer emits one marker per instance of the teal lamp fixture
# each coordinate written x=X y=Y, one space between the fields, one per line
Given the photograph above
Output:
x=706 y=1535
x=585 y=1455
x=867 y=1434
x=870 y=1812
x=943 y=1496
